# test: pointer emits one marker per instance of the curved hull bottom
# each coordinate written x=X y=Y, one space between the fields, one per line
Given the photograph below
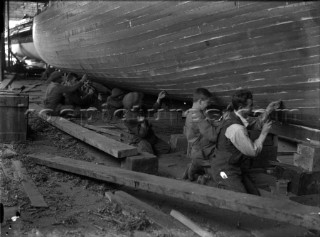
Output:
x=25 y=50
x=271 y=48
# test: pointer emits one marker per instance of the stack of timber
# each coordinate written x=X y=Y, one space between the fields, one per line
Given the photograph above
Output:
x=271 y=48
x=143 y=162
x=109 y=146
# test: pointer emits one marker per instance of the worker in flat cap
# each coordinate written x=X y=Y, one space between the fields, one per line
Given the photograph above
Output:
x=200 y=130
x=139 y=126
x=54 y=96
x=114 y=102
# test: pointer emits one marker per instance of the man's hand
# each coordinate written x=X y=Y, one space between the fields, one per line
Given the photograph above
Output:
x=273 y=106
x=266 y=127
x=161 y=95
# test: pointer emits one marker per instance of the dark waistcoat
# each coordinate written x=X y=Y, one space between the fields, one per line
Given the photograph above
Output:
x=227 y=157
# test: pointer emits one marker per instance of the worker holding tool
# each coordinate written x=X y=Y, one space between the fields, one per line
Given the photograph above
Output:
x=82 y=97
x=54 y=96
x=234 y=146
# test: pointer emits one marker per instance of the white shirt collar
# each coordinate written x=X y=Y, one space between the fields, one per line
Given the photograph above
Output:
x=243 y=120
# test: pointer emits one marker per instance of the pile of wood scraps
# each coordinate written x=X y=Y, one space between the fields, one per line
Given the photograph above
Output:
x=130 y=156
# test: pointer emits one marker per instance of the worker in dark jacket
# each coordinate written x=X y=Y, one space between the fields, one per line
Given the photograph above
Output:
x=54 y=96
x=200 y=133
x=138 y=125
x=234 y=143
x=83 y=97
x=114 y=102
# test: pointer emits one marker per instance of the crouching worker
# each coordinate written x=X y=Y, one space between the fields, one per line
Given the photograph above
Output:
x=234 y=145
x=54 y=96
x=82 y=97
x=143 y=135
x=200 y=133
x=114 y=103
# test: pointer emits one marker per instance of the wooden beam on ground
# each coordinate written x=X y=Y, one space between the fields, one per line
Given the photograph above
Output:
x=30 y=188
x=6 y=171
x=135 y=206
x=31 y=87
x=103 y=143
x=103 y=130
x=190 y=224
x=279 y=210
x=7 y=82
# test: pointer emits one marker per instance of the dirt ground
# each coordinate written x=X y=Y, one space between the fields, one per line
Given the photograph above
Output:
x=77 y=206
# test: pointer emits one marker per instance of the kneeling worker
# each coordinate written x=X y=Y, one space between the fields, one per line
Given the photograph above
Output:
x=234 y=143
x=54 y=97
x=200 y=133
x=138 y=125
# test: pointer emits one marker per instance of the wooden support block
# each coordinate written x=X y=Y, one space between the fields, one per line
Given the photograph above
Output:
x=279 y=210
x=30 y=188
x=108 y=145
x=135 y=206
x=307 y=157
x=282 y=186
x=178 y=142
x=309 y=150
x=301 y=181
x=303 y=162
x=145 y=163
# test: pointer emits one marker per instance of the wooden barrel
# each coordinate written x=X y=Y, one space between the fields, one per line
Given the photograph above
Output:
x=13 y=118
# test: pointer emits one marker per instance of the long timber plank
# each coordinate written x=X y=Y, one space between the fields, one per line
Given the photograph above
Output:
x=103 y=143
x=280 y=210
x=29 y=187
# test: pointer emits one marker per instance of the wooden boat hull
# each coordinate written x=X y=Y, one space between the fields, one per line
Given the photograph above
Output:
x=25 y=49
x=22 y=42
x=271 y=48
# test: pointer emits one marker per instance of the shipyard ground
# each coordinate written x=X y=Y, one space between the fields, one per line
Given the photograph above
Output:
x=78 y=206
